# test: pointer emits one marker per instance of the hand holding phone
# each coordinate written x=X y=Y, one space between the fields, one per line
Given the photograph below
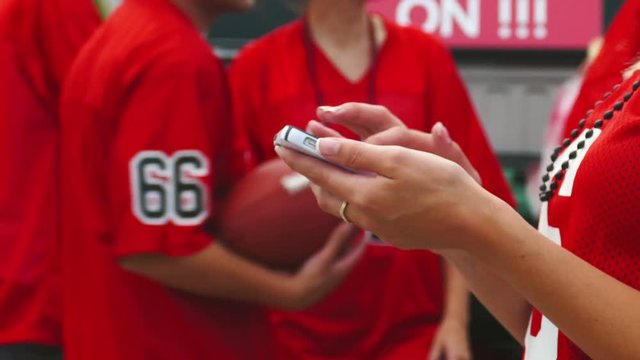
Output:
x=295 y=139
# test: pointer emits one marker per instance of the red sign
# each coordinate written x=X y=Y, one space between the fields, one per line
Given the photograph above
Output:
x=510 y=24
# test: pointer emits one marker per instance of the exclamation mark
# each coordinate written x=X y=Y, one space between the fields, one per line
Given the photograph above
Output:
x=540 y=18
x=504 y=18
x=522 y=18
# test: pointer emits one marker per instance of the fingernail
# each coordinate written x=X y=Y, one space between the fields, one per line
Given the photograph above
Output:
x=329 y=109
x=442 y=131
x=278 y=150
x=328 y=146
x=326 y=112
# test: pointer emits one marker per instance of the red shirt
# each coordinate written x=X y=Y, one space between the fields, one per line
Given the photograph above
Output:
x=390 y=305
x=48 y=34
x=144 y=116
x=594 y=212
x=620 y=50
x=39 y=40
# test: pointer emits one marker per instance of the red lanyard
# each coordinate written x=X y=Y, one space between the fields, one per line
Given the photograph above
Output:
x=313 y=71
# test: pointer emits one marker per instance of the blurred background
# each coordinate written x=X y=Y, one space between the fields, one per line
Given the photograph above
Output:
x=514 y=67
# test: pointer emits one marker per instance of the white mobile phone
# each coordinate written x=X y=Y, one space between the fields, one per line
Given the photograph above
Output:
x=293 y=138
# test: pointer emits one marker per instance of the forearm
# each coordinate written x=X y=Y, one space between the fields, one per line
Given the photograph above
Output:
x=456 y=305
x=507 y=306
x=586 y=304
x=215 y=272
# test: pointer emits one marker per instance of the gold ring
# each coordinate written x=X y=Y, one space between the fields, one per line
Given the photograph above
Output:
x=343 y=208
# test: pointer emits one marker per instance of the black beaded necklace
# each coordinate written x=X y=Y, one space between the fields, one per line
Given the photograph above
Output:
x=549 y=181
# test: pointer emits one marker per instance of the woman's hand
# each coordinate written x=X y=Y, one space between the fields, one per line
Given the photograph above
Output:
x=413 y=199
x=325 y=270
x=451 y=342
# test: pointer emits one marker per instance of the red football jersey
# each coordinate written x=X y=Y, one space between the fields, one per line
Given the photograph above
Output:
x=619 y=51
x=47 y=35
x=594 y=212
x=39 y=40
x=390 y=305
x=144 y=116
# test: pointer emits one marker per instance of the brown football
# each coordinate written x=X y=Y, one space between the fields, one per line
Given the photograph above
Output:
x=271 y=216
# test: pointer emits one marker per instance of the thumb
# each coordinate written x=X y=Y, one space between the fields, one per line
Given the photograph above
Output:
x=357 y=155
x=350 y=259
x=436 y=352
x=337 y=242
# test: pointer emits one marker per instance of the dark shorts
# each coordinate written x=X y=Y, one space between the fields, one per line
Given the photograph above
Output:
x=30 y=352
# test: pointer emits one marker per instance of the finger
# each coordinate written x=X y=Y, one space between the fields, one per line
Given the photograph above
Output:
x=461 y=353
x=331 y=204
x=315 y=189
x=340 y=236
x=412 y=139
x=456 y=353
x=442 y=139
x=337 y=181
x=393 y=136
x=436 y=351
x=461 y=159
x=450 y=353
x=328 y=202
x=363 y=119
x=438 y=142
x=381 y=160
x=449 y=149
x=351 y=258
x=330 y=185
x=319 y=130
x=461 y=356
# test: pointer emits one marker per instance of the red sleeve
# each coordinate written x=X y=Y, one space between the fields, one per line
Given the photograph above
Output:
x=449 y=103
x=47 y=35
x=163 y=159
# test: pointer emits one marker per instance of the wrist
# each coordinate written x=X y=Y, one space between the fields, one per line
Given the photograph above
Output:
x=451 y=320
x=279 y=291
x=454 y=327
x=482 y=228
x=291 y=293
x=499 y=238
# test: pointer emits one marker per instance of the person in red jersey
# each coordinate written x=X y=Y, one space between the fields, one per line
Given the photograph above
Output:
x=339 y=53
x=563 y=103
x=144 y=121
x=620 y=49
x=39 y=39
x=568 y=291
